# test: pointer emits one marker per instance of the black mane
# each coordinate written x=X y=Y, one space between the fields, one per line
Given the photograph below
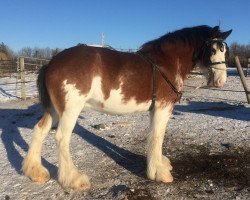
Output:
x=193 y=35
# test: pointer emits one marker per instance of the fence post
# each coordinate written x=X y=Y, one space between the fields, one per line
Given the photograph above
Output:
x=22 y=73
x=248 y=67
x=243 y=78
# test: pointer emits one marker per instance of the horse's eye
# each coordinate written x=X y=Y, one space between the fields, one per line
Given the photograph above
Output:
x=221 y=47
x=213 y=51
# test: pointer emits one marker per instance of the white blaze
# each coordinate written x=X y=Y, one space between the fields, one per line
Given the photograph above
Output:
x=218 y=70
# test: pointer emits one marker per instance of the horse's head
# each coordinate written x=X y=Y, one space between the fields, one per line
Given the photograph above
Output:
x=213 y=56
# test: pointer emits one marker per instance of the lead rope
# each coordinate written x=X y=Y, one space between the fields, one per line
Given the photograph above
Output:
x=155 y=82
x=154 y=95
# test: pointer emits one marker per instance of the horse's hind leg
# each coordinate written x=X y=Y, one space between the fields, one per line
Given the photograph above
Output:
x=68 y=175
x=32 y=166
x=158 y=166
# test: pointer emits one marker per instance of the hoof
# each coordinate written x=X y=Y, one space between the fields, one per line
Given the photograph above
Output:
x=36 y=172
x=164 y=176
x=160 y=174
x=76 y=181
x=166 y=162
x=81 y=183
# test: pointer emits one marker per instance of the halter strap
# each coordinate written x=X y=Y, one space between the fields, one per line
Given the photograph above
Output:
x=217 y=63
x=155 y=81
x=213 y=65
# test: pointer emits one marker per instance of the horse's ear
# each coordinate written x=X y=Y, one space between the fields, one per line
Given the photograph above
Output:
x=224 y=35
x=215 y=31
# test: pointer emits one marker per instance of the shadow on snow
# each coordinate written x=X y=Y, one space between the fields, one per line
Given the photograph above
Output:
x=13 y=119
x=217 y=109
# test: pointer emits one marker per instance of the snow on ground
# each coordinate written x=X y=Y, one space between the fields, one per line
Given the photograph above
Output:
x=10 y=87
x=207 y=141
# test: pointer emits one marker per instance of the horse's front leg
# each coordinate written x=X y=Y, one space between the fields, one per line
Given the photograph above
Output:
x=158 y=166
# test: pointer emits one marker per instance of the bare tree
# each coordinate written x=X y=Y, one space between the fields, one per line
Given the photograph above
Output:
x=26 y=51
x=240 y=50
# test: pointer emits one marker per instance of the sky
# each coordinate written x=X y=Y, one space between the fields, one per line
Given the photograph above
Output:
x=126 y=24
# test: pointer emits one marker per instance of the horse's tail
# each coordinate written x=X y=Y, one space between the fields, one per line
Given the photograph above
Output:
x=42 y=88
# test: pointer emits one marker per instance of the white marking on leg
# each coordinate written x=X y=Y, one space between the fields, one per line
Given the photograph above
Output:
x=31 y=165
x=68 y=174
x=156 y=169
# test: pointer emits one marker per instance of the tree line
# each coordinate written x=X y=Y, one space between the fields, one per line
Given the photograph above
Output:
x=235 y=49
x=241 y=50
x=35 y=52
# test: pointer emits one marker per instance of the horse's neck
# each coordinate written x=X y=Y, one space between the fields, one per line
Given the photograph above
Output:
x=179 y=60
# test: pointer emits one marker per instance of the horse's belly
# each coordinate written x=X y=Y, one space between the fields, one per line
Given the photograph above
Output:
x=115 y=103
x=113 y=107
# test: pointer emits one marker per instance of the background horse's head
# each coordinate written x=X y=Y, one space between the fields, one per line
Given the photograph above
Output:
x=212 y=57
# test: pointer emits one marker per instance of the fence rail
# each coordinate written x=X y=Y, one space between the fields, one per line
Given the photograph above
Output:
x=9 y=67
x=19 y=68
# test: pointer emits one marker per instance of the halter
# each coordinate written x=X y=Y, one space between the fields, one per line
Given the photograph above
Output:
x=222 y=46
x=217 y=68
x=155 y=81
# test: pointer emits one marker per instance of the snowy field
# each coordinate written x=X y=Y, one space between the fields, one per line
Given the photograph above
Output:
x=207 y=140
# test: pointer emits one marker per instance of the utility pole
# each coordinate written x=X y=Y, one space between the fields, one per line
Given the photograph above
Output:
x=102 y=39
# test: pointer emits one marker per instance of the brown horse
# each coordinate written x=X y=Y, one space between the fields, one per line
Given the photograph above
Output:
x=118 y=83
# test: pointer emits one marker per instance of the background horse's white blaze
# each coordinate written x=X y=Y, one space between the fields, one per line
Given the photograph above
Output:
x=219 y=71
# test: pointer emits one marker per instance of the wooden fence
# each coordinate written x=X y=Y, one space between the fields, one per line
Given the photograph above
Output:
x=19 y=68
x=26 y=64
x=7 y=67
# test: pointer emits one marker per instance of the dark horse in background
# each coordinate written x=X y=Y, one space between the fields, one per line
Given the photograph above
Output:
x=119 y=83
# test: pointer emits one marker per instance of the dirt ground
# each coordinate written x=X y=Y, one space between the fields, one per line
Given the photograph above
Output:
x=207 y=141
